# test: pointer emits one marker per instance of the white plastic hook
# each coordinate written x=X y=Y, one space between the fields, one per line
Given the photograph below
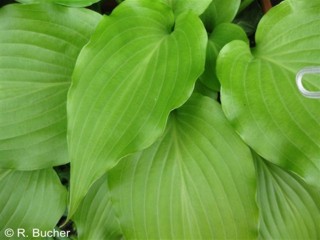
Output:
x=299 y=78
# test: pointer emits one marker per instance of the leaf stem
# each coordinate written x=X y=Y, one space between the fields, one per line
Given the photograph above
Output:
x=266 y=5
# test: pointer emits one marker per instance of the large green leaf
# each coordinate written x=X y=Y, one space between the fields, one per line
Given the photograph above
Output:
x=34 y=199
x=196 y=182
x=95 y=217
x=39 y=45
x=139 y=65
x=259 y=93
x=290 y=209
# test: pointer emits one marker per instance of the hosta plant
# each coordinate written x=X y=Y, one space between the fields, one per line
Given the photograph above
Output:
x=159 y=119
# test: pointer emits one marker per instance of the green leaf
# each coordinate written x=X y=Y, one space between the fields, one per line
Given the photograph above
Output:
x=221 y=35
x=95 y=217
x=244 y=4
x=220 y=11
x=290 y=209
x=39 y=45
x=196 y=182
x=179 y=6
x=260 y=96
x=133 y=72
x=34 y=199
x=71 y=3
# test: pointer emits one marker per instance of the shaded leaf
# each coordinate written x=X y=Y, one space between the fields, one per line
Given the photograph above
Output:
x=220 y=11
x=221 y=35
x=133 y=72
x=249 y=18
x=39 y=45
x=95 y=217
x=290 y=209
x=244 y=4
x=260 y=96
x=34 y=199
x=196 y=182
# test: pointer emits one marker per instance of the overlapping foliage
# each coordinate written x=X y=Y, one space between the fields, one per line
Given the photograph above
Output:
x=175 y=127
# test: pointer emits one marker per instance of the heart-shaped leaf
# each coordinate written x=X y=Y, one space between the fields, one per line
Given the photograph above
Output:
x=39 y=45
x=29 y=200
x=139 y=65
x=196 y=182
x=290 y=209
x=259 y=93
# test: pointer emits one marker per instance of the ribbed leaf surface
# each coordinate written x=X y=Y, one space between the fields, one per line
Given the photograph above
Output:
x=95 y=217
x=290 y=209
x=196 y=182
x=39 y=45
x=139 y=65
x=259 y=93
x=34 y=199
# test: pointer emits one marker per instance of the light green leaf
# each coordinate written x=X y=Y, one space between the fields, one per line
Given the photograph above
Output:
x=39 y=45
x=34 y=199
x=71 y=3
x=196 y=6
x=290 y=209
x=221 y=35
x=260 y=96
x=220 y=11
x=133 y=72
x=180 y=6
x=95 y=217
x=196 y=182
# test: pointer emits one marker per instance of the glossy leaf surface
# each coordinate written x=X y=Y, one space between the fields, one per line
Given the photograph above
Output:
x=196 y=182
x=33 y=199
x=290 y=209
x=39 y=45
x=259 y=92
x=139 y=65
